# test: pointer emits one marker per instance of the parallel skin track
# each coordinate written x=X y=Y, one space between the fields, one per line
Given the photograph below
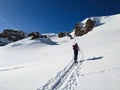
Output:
x=64 y=77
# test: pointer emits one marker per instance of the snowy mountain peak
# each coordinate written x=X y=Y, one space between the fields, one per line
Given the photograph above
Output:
x=102 y=19
x=83 y=27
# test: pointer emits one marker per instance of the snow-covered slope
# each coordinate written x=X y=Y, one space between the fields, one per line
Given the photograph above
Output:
x=45 y=64
x=104 y=42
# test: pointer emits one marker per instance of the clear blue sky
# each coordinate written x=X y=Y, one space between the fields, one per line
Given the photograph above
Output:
x=52 y=16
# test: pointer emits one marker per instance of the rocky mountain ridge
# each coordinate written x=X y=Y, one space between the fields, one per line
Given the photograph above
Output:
x=13 y=35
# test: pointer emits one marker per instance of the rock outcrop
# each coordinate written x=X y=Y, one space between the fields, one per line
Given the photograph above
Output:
x=81 y=29
x=63 y=34
x=89 y=25
x=34 y=35
x=11 y=35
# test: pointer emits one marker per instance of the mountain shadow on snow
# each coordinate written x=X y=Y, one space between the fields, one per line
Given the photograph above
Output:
x=38 y=41
x=44 y=41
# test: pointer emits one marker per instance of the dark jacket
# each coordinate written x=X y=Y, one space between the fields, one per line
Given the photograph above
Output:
x=75 y=48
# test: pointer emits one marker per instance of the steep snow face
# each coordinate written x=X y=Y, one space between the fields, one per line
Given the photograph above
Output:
x=31 y=64
x=101 y=48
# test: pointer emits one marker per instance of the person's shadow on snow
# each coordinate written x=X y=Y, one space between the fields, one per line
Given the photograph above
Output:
x=94 y=58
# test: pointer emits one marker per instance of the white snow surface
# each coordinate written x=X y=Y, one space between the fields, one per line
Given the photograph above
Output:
x=44 y=64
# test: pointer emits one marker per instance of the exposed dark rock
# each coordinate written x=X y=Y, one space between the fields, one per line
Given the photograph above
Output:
x=80 y=33
x=78 y=26
x=12 y=35
x=89 y=25
x=43 y=36
x=69 y=35
x=78 y=29
x=61 y=34
x=34 y=35
x=3 y=41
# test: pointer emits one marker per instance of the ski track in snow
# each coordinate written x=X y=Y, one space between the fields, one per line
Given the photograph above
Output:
x=18 y=67
x=14 y=68
x=65 y=79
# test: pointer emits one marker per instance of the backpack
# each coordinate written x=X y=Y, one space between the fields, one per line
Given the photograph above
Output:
x=75 y=47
